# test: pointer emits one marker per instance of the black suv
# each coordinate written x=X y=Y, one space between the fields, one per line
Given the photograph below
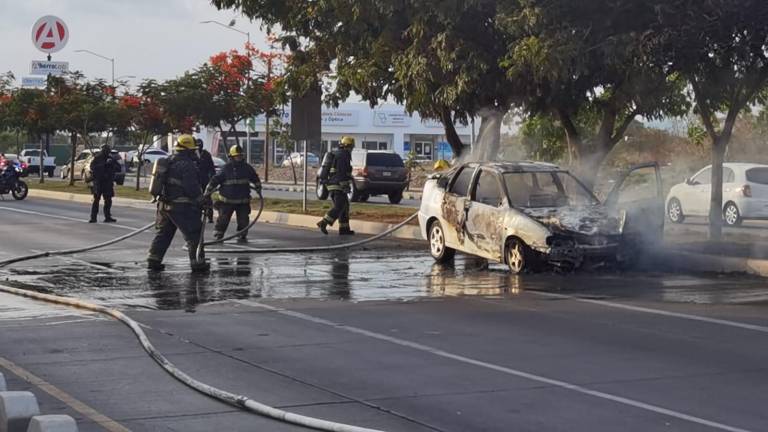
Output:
x=374 y=173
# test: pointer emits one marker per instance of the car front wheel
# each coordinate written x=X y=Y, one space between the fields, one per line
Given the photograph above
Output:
x=396 y=197
x=675 y=211
x=517 y=255
x=437 y=248
x=731 y=215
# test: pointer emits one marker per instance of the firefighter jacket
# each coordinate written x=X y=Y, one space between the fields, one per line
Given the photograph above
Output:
x=340 y=174
x=234 y=181
x=183 y=179
x=103 y=169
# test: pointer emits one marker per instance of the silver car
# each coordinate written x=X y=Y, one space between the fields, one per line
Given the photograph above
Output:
x=531 y=214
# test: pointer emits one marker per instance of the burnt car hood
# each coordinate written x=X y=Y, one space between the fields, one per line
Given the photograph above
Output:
x=586 y=220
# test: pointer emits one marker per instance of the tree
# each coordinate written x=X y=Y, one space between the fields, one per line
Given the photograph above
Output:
x=720 y=47
x=145 y=119
x=438 y=58
x=575 y=69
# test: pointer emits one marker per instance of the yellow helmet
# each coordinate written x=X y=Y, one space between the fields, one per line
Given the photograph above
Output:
x=347 y=141
x=235 y=150
x=441 y=165
x=186 y=142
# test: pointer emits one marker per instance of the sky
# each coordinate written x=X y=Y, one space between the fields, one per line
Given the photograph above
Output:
x=158 y=39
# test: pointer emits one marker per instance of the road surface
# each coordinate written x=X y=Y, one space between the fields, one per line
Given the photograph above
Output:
x=379 y=337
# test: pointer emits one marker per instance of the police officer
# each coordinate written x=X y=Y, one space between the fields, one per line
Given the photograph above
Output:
x=207 y=171
x=234 y=195
x=338 y=184
x=181 y=206
x=103 y=169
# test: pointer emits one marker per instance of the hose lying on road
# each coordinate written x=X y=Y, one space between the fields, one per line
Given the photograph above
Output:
x=315 y=248
x=75 y=251
x=239 y=401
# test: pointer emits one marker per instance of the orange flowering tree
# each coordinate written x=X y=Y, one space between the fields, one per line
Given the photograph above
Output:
x=233 y=90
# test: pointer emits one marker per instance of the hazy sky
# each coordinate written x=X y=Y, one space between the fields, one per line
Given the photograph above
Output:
x=148 y=38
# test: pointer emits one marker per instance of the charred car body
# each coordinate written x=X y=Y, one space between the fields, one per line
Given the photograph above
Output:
x=529 y=214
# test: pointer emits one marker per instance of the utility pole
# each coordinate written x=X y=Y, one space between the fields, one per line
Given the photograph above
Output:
x=266 y=126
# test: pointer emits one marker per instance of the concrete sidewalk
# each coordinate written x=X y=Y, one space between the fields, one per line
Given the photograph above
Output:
x=685 y=249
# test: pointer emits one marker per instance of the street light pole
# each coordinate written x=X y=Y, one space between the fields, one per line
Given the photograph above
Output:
x=110 y=59
x=229 y=27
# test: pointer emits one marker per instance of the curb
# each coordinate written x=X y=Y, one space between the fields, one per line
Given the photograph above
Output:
x=292 y=188
x=291 y=219
x=688 y=261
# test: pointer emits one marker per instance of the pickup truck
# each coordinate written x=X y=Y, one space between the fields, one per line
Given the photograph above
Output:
x=32 y=158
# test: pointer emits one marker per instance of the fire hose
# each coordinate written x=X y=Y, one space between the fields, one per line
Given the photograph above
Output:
x=238 y=401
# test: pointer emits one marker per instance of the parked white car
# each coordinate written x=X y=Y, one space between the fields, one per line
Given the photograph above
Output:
x=745 y=194
x=83 y=163
x=298 y=160
x=529 y=214
x=32 y=158
x=150 y=156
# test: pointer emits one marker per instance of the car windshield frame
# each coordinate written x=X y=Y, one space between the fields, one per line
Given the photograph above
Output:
x=564 y=199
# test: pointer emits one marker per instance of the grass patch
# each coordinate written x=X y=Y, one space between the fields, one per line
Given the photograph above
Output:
x=384 y=213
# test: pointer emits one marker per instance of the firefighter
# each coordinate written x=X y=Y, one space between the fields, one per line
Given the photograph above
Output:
x=234 y=183
x=180 y=207
x=103 y=169
x=338 y=185
x=207 y=171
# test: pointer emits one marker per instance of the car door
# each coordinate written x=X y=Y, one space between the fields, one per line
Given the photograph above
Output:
x=638 y=196
x=454 y=208
x=485 y=216
x=696 y=200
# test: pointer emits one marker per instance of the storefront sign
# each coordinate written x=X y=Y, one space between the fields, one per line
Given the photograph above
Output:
x=431 y=123
x=391 y=118
x=33 y=82
x=340 y=117
x=57 y=68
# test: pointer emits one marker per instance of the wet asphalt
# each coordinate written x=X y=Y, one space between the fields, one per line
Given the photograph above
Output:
x=380 y=336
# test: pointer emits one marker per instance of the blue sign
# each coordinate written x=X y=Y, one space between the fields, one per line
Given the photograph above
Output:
x=444 y=150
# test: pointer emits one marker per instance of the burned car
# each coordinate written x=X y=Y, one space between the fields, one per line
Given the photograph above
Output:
x=531 y=214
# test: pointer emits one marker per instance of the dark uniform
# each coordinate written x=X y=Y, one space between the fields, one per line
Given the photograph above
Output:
x=234 y=195
x=103 y=169
x=207 y=171
x=338 y=185
x=180 y=207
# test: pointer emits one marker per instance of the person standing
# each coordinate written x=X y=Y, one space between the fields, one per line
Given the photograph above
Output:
x=207 y=171
x=103 y=168
x=338 y=184
x=234 y=183
x=180 y=207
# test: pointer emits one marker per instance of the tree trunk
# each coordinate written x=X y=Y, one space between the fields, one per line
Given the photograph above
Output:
x=450 y=134
x=73 y=140
x=488 y=143
x=716 y=194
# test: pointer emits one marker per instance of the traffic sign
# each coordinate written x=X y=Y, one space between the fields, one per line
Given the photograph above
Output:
x=41 y=67
x=34 y=82
x=50 y=34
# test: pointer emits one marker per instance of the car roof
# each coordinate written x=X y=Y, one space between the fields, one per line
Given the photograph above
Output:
x=516 y=166
x=738 y=165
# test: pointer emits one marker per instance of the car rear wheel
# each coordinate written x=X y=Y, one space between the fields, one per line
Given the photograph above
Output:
x=354 y=194
x=396 y=197
x=364 y=198
x=518 y=256
x=50 y=171
x=731 y=214
x=675 y=211
x=437 y=248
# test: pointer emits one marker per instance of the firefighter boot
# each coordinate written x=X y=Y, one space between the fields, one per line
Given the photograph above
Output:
x=155 y=266
x=323 y=225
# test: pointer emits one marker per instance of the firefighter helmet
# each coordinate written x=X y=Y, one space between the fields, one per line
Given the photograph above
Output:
x=186 y=142
x=347 y=142
x=235 y=150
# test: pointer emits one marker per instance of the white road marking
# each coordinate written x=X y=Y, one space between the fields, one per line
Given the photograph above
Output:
x=745 y=326
x=502 y=369
x=64 y=217
x=97 y=417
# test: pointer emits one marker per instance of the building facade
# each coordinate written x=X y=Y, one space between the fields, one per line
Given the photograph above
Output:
x=385 y=127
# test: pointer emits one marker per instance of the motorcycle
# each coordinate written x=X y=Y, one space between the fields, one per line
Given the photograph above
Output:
x=10 y=181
